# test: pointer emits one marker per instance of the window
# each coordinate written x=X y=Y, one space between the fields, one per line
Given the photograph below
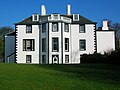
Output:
x=75 y=17
x=55 y=44
x=66 y=27
x=35 y=17
x=54 y=27
x=43 y=58
x=29 y=29
x=44 y=45
x=82 y=44
x=56 y=16
x=28 y=58
x=66 y=58
x=66 y=44
x=28 y=44
x=43 y=27
x=82 y=29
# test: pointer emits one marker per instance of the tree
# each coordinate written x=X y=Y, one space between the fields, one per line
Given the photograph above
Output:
x=116 y=27
x=1 y=47
x=3 y=31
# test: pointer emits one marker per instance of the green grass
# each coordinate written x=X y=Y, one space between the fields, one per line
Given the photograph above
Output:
x=59 y=77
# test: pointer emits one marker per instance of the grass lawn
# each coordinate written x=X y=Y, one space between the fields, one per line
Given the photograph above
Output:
x=59 y=77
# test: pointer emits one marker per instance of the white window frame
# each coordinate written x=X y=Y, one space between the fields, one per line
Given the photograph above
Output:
x=28 y=29
x=82 y=29
x=55 y=43
x=28 y=58
x=34 y=17
x=83 y=43
x=28 y=45
x=74 y=17
x=67 y=45
x=55 y=28
x=66 y=27
x=66 y=58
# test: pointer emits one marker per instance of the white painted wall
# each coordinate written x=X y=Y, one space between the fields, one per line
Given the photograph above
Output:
x=51 y=35
x=9 y=48
x=21 y=34
x=76 y=36
x=105 y=41
x=66 y=35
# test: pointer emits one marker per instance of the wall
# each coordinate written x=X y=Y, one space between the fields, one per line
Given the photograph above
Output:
x=9 y=49
x=105 y=41
x=20 y=35
x=89 y=35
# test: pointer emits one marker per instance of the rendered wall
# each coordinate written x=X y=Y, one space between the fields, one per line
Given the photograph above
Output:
x=105 y=41
x=20 y=35
x=89 y=36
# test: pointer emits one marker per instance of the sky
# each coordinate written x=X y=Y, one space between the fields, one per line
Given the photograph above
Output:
x=13 y=11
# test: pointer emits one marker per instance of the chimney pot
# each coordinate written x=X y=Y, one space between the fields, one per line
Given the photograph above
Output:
x=68 y=9
x=105 y=25
x=43 y=10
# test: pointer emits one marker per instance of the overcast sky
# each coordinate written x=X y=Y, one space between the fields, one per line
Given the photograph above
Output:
x=13 y=11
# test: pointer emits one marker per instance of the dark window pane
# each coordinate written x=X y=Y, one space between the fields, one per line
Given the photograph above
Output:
x=28 y=44
x=82 y=44
x=55 y=44
x=28 y=58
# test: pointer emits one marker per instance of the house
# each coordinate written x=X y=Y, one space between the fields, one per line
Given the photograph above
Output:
x=56 y=39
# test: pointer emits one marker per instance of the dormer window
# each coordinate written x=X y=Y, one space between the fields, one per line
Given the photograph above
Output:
x=35 y=17
x=75 y=17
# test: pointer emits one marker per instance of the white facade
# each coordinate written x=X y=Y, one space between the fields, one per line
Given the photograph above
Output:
x=20 y=35
x=105 y=41
x=58 y=39
x=89 y=36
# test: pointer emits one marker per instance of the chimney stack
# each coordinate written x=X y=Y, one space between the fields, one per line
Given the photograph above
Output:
x=68 y=9
x=43 y=10
x=105 y=25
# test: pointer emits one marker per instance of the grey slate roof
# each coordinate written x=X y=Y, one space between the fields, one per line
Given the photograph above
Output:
x=10 y=34
x=27 y=21
x=82 y=20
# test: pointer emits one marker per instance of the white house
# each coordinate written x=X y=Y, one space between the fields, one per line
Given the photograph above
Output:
x=56 y=39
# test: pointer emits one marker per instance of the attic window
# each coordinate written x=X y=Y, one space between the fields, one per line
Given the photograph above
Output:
x=35 y=17
x=75 y=17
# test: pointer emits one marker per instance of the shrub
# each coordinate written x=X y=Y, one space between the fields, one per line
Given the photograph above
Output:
x=92 y=58
x=111 y=58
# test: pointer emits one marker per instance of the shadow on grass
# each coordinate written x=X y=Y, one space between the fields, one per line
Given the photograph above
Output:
x=99 y=72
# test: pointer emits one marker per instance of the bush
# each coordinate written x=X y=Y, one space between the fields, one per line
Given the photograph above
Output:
x=111 y=58
x=92 y=58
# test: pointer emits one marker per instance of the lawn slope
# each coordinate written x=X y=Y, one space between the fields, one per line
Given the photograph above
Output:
x=59 y=77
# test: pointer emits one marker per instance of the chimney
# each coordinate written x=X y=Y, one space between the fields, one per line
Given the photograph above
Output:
x=43 y=10
x=68 y=9
x=105 y=25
